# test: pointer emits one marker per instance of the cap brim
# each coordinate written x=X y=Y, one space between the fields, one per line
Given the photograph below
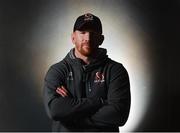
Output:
x=88 y=26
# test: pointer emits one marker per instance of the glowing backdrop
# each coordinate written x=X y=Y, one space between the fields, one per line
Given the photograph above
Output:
x=34 y=34
x=124 y=40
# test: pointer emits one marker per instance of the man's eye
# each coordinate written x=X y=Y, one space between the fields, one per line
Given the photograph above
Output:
x=82 y=32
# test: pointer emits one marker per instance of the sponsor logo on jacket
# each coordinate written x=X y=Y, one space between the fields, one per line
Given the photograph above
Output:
x=70 y=76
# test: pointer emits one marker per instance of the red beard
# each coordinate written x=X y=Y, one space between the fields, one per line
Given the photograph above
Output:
x=86 y=50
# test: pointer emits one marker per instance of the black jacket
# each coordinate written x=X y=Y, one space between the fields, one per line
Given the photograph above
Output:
x=99 y=94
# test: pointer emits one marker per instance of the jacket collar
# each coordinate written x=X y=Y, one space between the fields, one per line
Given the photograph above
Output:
x=100 y=58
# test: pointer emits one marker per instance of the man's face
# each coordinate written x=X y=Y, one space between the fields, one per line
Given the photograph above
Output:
x=86 y=42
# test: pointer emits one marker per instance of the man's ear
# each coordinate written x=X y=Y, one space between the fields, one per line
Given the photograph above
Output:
x=73 y=37
x=101 y=39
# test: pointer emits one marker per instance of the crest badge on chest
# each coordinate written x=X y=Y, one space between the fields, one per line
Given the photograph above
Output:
x=99 y=77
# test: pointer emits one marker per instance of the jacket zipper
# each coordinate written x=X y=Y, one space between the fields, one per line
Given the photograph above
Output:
x=86 y=81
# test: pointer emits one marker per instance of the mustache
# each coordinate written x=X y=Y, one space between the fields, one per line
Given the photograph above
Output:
x=86 y=44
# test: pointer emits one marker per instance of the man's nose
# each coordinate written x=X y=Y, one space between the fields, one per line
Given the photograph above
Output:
x=87 y=36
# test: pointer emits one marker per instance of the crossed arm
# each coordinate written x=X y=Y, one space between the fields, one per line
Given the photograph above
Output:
x=61 y=105
x=92 y=112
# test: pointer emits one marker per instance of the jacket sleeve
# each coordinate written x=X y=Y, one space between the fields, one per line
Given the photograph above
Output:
x=116 y=111
x=68 y=108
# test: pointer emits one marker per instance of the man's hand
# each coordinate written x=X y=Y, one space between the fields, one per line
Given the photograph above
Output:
x=62 y=91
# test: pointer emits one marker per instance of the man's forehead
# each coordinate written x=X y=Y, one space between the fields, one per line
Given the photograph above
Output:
x=89 y=30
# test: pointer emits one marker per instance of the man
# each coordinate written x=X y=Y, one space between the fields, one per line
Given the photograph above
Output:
x=87 y=91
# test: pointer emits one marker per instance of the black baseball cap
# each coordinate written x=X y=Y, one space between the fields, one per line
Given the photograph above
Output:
x=88 y=21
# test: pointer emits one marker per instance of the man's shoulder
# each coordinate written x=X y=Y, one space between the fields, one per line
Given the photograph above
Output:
x=59 y=65
x=116 y=66
x=114 y=63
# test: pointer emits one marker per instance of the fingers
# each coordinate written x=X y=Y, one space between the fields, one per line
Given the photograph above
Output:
x=62 y=91
x=63 y=88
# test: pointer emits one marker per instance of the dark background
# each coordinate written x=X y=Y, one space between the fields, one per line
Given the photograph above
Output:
x=21 y=107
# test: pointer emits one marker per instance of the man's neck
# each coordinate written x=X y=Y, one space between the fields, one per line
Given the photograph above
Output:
x=86 y=59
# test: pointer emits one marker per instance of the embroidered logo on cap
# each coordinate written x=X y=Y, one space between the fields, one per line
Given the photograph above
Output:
x=88 y=17
x=99 y=77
